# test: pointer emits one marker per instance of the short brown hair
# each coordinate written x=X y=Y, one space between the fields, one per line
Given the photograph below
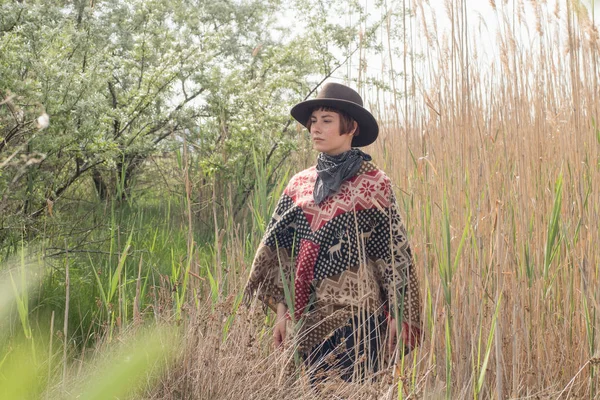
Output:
x=346 y=121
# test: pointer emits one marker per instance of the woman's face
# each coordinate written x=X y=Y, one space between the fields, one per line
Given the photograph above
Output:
x=325 y=133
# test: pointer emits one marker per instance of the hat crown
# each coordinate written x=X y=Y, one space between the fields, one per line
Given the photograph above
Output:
x=340 y=92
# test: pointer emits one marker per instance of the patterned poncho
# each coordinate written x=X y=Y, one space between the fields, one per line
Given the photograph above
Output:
x=347 y=255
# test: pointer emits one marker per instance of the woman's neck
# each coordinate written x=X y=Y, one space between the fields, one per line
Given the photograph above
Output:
x=337 y=152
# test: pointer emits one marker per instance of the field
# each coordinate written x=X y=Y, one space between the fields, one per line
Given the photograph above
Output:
x=496 y=167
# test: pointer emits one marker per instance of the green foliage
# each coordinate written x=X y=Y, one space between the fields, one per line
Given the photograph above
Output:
x=553 y=237
x=119 y=372
x=121 y=81
x=109 y=253
x=481 y=365
x=116 y=372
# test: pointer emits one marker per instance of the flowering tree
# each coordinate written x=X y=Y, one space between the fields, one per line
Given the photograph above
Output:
x=90 y=89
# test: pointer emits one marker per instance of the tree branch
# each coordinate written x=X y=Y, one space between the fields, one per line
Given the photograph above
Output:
x=65 y=186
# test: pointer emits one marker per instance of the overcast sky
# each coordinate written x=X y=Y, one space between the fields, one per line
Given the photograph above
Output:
x=483 y=25
x=482 y=11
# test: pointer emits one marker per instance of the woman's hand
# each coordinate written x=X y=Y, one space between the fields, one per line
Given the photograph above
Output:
x=392 y=335
x=280 y=326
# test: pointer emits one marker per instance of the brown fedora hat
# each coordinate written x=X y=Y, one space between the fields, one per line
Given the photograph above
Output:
x=345 y=99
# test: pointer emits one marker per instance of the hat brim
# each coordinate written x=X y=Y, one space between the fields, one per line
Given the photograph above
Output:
x=369 y=130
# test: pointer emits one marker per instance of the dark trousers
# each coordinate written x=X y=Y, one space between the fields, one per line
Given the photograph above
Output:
x=353 y=351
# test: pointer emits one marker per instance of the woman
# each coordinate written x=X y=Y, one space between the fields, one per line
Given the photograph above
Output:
x=335 y=261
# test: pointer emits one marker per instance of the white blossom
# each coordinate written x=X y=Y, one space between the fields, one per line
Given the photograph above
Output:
x=43 y=121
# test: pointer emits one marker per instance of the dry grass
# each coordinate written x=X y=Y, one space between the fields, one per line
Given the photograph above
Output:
x=494 y=141
x=243 y=364
x=491 y=147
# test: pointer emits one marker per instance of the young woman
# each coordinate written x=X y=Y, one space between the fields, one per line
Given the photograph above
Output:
x=334 y=262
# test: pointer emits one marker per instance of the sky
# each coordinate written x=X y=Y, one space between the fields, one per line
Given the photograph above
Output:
x=482 y=10
x=483 y=24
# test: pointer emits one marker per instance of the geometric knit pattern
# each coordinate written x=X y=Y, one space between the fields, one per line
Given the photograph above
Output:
x=305 y=267
x=348 y=253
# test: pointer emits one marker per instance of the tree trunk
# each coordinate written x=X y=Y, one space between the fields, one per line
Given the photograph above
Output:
x=99 y=184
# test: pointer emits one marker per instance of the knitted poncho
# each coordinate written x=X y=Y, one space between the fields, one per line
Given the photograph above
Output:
x=347 y=255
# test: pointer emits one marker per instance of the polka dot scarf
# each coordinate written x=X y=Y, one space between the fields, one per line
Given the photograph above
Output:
x=332 y=171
